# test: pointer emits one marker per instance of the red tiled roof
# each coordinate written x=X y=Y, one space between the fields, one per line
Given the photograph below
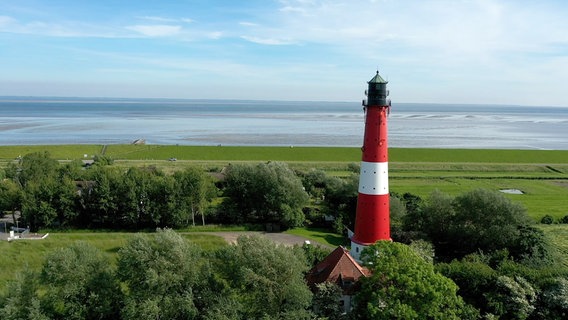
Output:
x=338 y=267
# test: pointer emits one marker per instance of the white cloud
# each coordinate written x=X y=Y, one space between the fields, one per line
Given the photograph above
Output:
x=5 y=20
x=214 y=35
x=156 y=30
x=158 y=19
x=248 y=24
x=268 y=41
x=167 y=20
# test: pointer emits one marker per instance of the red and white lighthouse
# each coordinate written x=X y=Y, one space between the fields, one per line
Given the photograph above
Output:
x=372 y=222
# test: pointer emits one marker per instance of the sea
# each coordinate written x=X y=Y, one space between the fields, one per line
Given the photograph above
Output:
x=43 y=121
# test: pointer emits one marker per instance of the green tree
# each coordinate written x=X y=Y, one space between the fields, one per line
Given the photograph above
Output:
x=552 y=301
x=405 y=286
x=32 y=167
x=80 y=284
x=10 y=197
x=264 y=193
x=512 y=298
x=486 y=221
x=326 y=301
x=268 y=279
x=479 y=220
x=475 y=279
x=21 y=300
x=141 y=198
x=194 y=190
x=103 y=160
x=165 y=277
x=341 y=201
x=49 y=203
x=99 y=199
x=397 y=215
x=313 y=253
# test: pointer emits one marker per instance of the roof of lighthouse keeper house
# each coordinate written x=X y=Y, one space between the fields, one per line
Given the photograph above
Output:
x=377 y=92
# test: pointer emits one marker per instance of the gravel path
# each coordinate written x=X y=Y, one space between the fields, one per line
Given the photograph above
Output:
x=282 y=238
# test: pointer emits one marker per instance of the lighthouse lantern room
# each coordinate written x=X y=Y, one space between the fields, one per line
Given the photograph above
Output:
x=372 y=222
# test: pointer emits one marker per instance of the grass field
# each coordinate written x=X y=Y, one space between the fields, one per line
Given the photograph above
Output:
x=309 y=154
x=321 y=236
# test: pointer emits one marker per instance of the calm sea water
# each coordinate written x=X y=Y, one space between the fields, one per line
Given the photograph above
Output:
x=234 y=122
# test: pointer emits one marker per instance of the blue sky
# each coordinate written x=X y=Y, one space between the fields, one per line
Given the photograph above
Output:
x=432 y=51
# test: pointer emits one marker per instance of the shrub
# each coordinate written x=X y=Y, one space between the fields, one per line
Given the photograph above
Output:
x=547 y=219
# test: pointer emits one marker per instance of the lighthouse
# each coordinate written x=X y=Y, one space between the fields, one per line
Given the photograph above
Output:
x=372 y=222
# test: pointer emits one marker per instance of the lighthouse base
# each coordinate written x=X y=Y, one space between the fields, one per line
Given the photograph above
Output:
x=356 y=250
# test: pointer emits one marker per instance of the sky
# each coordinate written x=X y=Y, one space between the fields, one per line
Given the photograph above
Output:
x=431 y=51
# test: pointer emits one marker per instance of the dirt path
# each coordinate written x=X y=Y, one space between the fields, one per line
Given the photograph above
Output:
x=281 y=238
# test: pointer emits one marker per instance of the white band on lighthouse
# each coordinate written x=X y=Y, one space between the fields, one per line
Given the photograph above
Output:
x=374 y=178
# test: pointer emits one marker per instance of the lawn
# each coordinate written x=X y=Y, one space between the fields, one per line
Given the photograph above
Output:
x=319 y=235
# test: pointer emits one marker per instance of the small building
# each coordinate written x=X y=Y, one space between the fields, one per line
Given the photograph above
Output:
x=339 y=268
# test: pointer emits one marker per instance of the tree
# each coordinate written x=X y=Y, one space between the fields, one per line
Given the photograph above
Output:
x=479 y=220
x=165 y=277
x=397 y=215
x=475 y=279
x=341 y=201
x=313 y=253
x=32 y=167
x=10 y=197
x=264 y=193
x=49 y=202
x=433 y=219
x=326 y=301
x=80 y=284
x=268 y=279
x=552 y=302
x=102 y=160
x=194 y=190
x=22 y=301
x=140 y=199
x=99 y=199
x=404 y=286
x=512 y=298
x=487 y=221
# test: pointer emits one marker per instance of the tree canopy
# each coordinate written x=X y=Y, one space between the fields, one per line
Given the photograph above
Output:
x=479 y=220
x=264 y=193
x=405 y=286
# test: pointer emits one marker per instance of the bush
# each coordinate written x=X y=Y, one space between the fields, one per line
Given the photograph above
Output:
x=564 y=219
x=547 y=219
